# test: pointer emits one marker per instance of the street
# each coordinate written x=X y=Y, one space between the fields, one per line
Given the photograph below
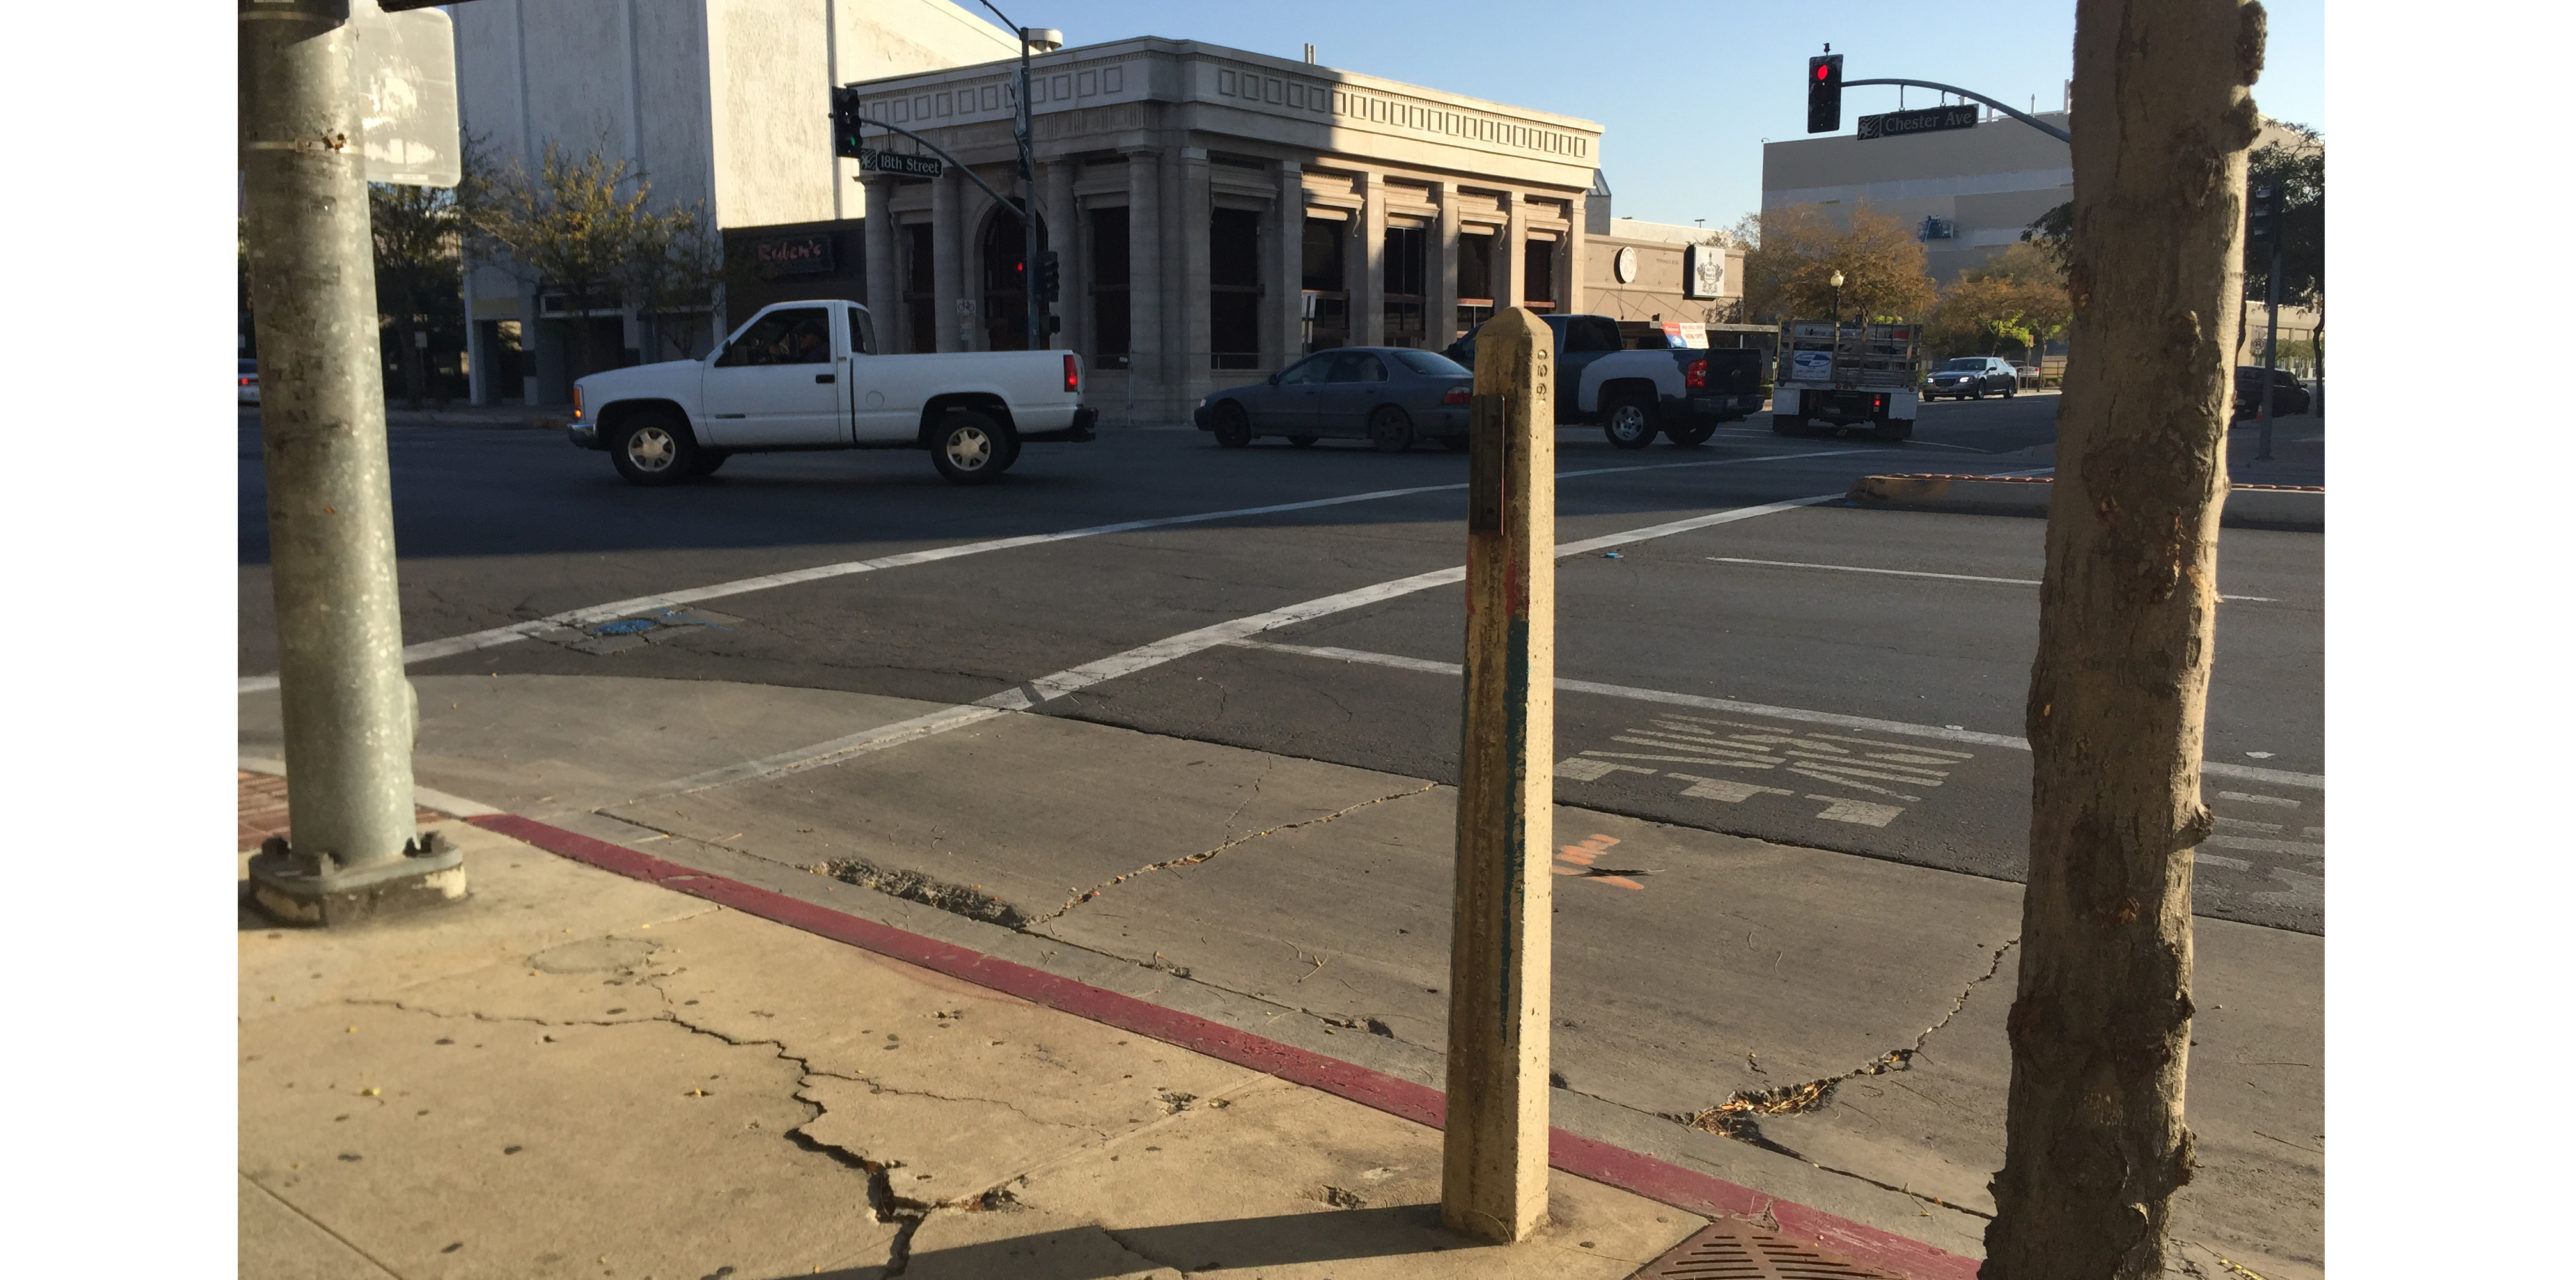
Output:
x=1791 y=778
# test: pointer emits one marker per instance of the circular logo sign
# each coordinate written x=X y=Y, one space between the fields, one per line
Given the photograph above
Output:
x=1627 y=265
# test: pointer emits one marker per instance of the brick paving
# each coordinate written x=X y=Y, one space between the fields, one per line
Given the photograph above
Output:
x=263 y=812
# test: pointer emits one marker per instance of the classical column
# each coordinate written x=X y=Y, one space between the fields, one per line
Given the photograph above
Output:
x=1189 y=361
x=1569 y=260
x=880 y=264
x=946 y=262
x=1444 y=291
x=1066 y=239
x=1510 y=278
x=1289 y=236
x=1146 y=268
x=1369 y=293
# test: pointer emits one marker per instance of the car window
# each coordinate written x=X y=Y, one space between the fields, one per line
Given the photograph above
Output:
x=793 y=335
x=1310 y=369
x=1358 y=366
x=1430 y=363
x=248 y=366
x=864 y=343
x=2284 y=379
x=1964 y=364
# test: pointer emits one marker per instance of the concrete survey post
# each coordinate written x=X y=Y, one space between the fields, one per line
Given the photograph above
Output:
x=349 y=718
x=1493 y=1164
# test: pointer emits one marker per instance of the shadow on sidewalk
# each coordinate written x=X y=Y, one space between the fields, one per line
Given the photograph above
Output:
x=1335 y=1235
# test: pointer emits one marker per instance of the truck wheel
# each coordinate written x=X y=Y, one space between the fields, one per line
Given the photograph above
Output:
x=1894 y=430
x=1391 y=429
x=1691 y=436
x=969 y=447
x=654 y=449
x=1228 y=425
x=706 y=461
x=1628 y=422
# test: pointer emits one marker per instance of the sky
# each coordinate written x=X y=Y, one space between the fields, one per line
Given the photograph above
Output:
x=1686 y=92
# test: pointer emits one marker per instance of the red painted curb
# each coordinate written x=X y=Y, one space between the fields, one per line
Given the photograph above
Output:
x=1647 y=1176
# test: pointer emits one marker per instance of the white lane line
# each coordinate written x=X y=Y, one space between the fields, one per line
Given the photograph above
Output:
x=2247 y=773
x=1915 y=573
x=591 y=614
x=1059 y=684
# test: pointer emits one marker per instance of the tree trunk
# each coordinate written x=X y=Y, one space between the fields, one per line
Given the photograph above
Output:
x=2097 y=1142
x=2320 y=363
x=413 y=364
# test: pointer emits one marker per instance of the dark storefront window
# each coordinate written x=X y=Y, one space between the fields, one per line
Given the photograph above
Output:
x=919 y=290
x=1324 y=305
x=1235 y=289
x=1475 y=280
x=1108 y=232
x=1408 y=257
x=1538 y=291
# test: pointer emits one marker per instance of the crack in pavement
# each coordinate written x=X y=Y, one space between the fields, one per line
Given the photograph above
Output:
x=1737 y=1116
x=1083 y=896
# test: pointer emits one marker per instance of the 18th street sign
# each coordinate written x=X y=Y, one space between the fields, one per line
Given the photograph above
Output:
x=1894 y=124
x=899 y=162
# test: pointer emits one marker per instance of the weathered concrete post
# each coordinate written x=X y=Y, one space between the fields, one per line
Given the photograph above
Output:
x=1493 y=1164
x=349 y=715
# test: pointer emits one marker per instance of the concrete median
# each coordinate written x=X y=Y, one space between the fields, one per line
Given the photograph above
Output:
x=2249 y=506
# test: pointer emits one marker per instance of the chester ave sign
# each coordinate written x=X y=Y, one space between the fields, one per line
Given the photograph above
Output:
x=1894 y=124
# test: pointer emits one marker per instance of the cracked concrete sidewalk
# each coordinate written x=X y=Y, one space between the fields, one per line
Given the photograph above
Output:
x=576 y=1074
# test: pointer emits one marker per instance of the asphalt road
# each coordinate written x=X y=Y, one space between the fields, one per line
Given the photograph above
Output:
x=1844 y=679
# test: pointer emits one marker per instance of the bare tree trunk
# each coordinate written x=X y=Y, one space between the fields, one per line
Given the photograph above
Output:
x=2098 y=1142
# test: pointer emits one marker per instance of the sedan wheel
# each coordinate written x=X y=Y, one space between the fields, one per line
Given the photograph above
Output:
x=1228 y=425
x=1391 y=429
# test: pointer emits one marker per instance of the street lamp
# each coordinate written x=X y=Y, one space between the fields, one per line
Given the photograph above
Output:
x=1837 y=280
x=1035 y=332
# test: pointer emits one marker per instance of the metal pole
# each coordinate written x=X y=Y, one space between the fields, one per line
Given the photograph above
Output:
x=349 y=713
x=1493 y=1162
x=1035 y=333
x=2267 y=362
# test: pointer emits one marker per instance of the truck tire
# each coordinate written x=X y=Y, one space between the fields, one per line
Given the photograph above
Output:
x=1628 y=422
x=968 y=446
x=1228 y=424
x=1391 y=429
x=654 y=449
x=1690 y=436
x=1894 y=430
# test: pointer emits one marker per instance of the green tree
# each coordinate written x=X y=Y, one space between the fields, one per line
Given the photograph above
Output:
x=679 y=277
x=1796 y=248
x=2017 y=297
x=417 y=271
x=574 y=228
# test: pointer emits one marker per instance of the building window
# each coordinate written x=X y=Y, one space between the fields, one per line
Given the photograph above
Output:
x=1408 y=255
x=1107 y=231
x=919 y=290
x=1324 y=304
x=1235 y=289
x=1475 y=280
x=1004 y=300
x=1538 y=291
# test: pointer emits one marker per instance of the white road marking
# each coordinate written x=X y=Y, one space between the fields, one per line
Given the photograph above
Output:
x=1858 y=811
x=1585 y=769
x=2217 y=860
x=1916 y=573
x=2239 y=772
x=2255 y=844
x=431 y=649
x=1058 y=684
x=1724 y=789
x=2243 y=797
x=2221 y=823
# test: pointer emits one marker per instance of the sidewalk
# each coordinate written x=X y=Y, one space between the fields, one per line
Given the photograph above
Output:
x=579 y=1073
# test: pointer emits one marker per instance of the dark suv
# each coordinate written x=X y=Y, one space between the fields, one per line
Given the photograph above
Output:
x=2249 y=385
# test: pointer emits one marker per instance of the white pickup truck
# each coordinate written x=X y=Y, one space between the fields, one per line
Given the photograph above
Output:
x=804 y=375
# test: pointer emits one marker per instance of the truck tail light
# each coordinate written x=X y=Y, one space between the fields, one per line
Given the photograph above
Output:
x=1458 y=395
x=1072 y=378
x=1697 y=375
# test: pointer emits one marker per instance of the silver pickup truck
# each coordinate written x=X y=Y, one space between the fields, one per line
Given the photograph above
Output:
x=806 y=375
x=1679 y=392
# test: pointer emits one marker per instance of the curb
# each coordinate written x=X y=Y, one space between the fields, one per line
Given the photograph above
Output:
x=1648 y=1176
x=2255 y=506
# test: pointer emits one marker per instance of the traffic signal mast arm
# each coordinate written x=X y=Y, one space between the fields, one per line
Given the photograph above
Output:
x=2022 y=117
x=947 y=158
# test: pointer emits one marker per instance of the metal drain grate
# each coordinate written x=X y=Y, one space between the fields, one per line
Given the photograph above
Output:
x=1739 y=1249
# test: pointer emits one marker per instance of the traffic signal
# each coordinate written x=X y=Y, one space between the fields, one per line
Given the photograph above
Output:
x=1048 y=261
x=845 y=110
x=2266 y=216
x=1822 y=94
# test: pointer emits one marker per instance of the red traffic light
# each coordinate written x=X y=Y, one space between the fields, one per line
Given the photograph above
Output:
x=1821 y=71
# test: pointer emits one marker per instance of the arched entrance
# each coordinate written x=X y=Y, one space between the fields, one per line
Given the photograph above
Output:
x=1002 y=296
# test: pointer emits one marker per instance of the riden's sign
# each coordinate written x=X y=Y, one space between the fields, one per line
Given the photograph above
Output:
x=1894 y=124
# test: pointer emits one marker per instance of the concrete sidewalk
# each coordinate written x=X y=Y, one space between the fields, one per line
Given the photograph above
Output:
x=579 y=1073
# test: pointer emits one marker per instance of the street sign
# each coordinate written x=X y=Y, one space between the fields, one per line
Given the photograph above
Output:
x=899 y=162
x=1894 y=124
x=402 y=65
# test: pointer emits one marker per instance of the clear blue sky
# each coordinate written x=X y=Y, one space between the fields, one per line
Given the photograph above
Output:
x=1686 y=91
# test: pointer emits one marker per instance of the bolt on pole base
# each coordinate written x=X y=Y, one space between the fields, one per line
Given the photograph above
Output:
x=316 y=889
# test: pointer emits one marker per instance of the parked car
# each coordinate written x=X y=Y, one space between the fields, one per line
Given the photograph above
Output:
x=248 y=382
x=1636 y=393
x=2249 y=383
x=804 y=375
x=1971 y=376
x=1388 y=396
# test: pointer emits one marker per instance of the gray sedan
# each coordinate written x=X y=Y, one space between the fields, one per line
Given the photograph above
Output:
x=1389 y=396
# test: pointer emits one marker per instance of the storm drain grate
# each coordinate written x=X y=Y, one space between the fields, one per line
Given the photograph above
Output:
x=1739 y=1249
